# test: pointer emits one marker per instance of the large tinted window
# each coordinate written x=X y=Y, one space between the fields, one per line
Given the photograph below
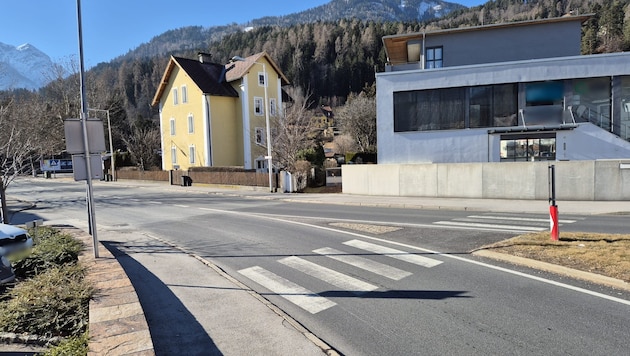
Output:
x=493 y=105
x=425 y=110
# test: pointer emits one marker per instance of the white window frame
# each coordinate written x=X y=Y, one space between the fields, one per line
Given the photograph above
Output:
x=191 y=153
x=263 y=76
x=260 y=136
x=259 y=106
x=175 y=97
x=191 y=123
x=184 y=94
x=172 y=126
x=272 y=107
x=173 y=154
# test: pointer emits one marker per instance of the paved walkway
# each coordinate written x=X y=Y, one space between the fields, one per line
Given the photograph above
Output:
x=235 y=315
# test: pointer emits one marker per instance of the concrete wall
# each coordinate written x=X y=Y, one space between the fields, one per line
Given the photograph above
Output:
x=575 y=180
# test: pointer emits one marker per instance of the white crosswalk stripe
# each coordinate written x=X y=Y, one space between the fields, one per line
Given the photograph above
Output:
x=508 y=223
x=328 y=275
x=491 y=226
x=364 y=263
x=292 y=292
x=394 y=253
x=315 y=303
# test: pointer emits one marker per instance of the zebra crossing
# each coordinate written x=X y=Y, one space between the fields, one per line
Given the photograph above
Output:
x=502 y=222
x=315 y=303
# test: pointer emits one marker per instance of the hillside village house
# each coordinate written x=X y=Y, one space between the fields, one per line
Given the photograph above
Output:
x=213 y=115
x=457 y=108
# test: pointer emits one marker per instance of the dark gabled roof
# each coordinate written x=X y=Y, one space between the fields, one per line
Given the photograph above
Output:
x=209 y=77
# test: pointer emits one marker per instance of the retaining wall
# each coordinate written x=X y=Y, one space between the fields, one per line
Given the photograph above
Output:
x=575 y=180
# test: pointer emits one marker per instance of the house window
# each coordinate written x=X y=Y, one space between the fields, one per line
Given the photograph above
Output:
x=175 y=99
x=261 y=164
x=528 y=147
x=191 y=154
x=261 y=79
x=184 y=94
x=172 y=126
x=260 y=136
x=173 y=154
x=191 y=124
x=272 y=106
x=258 y=106
x=433 y=57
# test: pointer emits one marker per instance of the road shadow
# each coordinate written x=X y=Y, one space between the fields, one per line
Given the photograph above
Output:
x=174 y=330
x=396 y=294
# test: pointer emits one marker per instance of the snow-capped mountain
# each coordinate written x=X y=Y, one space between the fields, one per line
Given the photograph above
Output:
x=23 y=66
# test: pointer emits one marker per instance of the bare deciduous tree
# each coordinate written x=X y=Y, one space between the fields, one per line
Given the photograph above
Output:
x=18 y=145
x=143 y=145
x=294 y=131
x=358 y=120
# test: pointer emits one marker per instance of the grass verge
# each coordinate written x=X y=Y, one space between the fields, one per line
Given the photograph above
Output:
x=604 y=254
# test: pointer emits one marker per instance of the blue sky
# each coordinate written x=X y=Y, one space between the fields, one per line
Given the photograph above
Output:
x=113 y=27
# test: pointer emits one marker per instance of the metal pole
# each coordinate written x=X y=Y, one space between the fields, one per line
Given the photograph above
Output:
x=86 y=144
x=269 y=159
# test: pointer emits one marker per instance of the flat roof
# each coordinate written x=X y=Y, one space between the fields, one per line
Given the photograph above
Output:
x=396 y=45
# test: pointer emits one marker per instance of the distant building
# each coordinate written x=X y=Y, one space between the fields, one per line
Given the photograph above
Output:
x=214 y=115
x=507 y=92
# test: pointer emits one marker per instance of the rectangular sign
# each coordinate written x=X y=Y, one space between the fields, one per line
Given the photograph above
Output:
x=74 y=136
x=80 y=167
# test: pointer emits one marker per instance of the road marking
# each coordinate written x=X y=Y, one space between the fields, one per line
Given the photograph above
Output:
x=364 y=263
x=154 y=202
x=181 y=206
x=394 y=253
x=462 y=259
x=491 y=226
x=328 y=275
x=512 y=218
x=296 y=294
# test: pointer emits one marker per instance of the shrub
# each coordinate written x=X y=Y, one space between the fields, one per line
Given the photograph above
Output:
x=76 y=345
x=52 y=303
x=51 y=248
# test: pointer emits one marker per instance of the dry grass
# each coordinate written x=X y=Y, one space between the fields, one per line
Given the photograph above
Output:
x=604 y=254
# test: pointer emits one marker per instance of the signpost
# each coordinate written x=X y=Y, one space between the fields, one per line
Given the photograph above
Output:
x=553 y=208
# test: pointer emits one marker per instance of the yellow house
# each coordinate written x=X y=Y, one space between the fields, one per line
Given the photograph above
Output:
x=214 y=115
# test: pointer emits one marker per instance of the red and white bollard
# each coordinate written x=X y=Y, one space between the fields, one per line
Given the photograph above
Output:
x=553 y=221
x=553 y=208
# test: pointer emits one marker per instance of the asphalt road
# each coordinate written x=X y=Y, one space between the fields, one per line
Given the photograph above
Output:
x=371 y=281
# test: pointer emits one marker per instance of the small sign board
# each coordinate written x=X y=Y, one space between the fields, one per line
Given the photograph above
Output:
x=74 y=135
x=80 y=167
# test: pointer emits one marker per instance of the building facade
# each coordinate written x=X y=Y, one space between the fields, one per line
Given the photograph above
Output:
x=510 y=92
x=213 y=115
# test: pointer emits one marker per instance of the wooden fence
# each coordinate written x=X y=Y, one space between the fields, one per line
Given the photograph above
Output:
x=175 y=177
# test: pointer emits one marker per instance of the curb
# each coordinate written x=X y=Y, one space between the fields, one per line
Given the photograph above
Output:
x=561 y=270
x=116 y=321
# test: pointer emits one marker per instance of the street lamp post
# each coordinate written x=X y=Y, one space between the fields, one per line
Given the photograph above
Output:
x=111 y=144
x=268 y=157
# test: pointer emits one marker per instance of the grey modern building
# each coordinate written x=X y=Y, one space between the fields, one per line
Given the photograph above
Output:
x=509 y=92
x=482 y=112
